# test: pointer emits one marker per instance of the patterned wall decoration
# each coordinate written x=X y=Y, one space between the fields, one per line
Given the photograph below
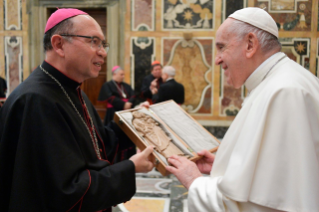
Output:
x=13 y=52
x=13 y=15
x=297 y=49
x=192 y=59
x=230 y=6
x=142 y=55
x=143 y=12
x=188 y=14
x=290 y=15
x=230 y=98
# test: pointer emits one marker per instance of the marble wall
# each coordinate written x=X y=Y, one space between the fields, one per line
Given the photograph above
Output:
x=14 y=60
x=175 y=32
x=181 y=33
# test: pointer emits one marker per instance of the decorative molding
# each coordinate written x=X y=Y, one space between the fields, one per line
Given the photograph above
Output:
x=298 y=48
x=12 y=14
x=289 y=6
x=146 y=47
x=194 y=15
x=145 y=14
x=14 y=66
x=192 y=43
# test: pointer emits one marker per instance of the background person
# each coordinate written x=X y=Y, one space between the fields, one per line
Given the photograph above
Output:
x=269 y=157
x=55 y=153
x=170 y=89
x=152 y=82
x=118 y=96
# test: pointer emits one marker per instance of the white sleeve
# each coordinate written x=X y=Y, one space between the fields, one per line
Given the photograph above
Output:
x=204 y=196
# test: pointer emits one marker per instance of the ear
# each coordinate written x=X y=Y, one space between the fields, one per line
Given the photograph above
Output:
x=57 y=43
x=252 y=44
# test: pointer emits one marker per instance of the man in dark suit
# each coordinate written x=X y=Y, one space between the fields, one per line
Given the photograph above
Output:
x=170 y=89
x=152 y=82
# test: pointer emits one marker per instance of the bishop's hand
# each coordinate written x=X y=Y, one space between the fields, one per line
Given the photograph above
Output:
x=185 y=170
x=142 y=160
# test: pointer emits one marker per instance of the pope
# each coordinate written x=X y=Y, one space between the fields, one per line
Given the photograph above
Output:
x=269 y=157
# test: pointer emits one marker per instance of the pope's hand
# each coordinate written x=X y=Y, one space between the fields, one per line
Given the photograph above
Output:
x=142 y=160
x=185 y=170
x=205 y=164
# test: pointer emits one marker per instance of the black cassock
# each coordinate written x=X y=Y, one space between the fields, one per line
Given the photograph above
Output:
x=47 y=159
x=111 y=94
x=3 y=87
x=170 y=90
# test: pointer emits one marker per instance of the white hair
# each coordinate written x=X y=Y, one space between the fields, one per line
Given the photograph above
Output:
x=266 y=40
x=169 y=70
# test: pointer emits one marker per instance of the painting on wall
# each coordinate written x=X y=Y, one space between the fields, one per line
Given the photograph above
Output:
x=188 y=14
x=143 y=13
x=192 y=59
x=290 y=15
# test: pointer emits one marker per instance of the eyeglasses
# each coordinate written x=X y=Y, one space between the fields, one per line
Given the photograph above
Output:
x=96 y=42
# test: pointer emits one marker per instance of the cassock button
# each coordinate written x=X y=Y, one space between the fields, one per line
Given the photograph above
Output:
x=100 y=150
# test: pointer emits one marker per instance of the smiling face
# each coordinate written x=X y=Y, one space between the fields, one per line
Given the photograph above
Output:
x=81 y=58
x=231 y=55
x=157 y=71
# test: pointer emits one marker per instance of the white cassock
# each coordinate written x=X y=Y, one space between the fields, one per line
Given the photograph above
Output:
x=269 y=158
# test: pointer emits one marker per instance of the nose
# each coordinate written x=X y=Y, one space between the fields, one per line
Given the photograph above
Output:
x=102 y=52
x=218 y=60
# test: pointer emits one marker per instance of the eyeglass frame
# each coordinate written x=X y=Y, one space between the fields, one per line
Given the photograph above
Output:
x=106 y=46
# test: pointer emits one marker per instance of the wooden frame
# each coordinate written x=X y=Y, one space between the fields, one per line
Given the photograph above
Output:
x=160 y=164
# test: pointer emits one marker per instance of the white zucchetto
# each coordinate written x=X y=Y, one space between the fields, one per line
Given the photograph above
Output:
x=258 y=18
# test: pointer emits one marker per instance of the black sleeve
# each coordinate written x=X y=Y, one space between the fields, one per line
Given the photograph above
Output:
x=163 y=94
x=51 y=167
x=146 y=92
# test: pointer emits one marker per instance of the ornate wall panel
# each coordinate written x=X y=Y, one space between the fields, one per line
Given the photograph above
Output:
x=142 y=55
x=192 y=59
x=230 y=98
x=143 y=13
x=188 y=14
x=230 y=6
x=290 y=15
x=13 y=52
x=297 y=49
x=13 y=15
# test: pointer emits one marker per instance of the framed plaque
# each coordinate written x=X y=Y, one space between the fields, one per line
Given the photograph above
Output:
x=168 y=128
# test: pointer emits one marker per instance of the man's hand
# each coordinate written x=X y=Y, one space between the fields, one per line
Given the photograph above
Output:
x=127 y=105
x=154 y=91
x=145 y=104
x=153 y=84
x=142 y=162
x=185 y=170
x=205 y=164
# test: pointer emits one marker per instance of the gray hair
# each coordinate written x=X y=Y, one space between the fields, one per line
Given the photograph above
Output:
x=169 y=70
x=267 y=41
x=64 y=27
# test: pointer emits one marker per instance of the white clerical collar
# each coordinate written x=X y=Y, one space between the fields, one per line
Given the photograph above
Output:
x=259 y=74
x=170 y=78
